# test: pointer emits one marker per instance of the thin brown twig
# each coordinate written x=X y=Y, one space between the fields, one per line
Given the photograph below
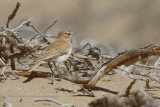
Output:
x=128 y=91
x=40 y=34
x=12 y=59
x=150 y=87
x=50 y=26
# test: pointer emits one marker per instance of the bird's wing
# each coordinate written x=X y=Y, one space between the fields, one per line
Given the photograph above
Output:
x=57 y=48
x=35 y=66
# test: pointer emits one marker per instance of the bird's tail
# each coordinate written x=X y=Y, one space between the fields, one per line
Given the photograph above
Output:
x=35 y=66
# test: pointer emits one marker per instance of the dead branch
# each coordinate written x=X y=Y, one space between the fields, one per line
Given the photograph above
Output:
x=126 y=58
x=52 y=100
x=13 y=14
x=77 y=80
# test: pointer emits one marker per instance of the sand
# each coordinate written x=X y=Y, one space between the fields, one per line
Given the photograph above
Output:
x=20 y=93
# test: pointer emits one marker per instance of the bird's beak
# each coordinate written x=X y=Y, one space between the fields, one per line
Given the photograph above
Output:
x=73 y=33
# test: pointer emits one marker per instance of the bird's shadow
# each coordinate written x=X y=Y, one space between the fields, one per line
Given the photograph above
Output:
x=105 y=90
x=99 y=89
x=28 y=79
x=32 y=76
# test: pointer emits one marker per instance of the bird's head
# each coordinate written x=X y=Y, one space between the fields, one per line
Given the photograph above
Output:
x=66 y=34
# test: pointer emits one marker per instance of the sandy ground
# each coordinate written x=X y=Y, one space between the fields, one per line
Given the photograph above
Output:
x=20 y=93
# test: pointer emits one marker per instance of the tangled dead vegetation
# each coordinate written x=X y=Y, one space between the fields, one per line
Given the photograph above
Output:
x=86 y=69
x=139 y=99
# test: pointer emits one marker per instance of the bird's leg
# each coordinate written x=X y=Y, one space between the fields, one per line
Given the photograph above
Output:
x=52 y=73
x=65 y=63
x=55 y=66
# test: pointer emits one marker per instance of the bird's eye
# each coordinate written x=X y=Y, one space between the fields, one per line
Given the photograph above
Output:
x=69 y=33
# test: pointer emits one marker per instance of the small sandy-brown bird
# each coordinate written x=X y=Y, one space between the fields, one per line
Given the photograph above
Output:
x=58 y=51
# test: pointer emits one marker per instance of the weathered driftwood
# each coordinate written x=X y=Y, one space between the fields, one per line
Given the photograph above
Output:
x=126 y=58
x=52 y=100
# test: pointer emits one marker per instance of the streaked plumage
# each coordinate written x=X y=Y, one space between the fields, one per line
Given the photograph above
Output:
x=58 y=51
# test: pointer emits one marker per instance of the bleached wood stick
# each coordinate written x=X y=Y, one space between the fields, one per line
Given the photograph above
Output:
x=52 y=100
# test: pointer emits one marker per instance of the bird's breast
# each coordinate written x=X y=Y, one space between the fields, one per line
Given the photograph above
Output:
x=64 y=57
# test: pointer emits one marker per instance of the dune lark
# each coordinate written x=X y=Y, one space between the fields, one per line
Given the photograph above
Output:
x=58 y=51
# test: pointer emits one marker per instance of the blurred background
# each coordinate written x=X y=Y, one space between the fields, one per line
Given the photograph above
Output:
x=118 y=25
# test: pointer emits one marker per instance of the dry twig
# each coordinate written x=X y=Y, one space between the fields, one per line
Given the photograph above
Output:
x=2 y=69
x=128 y=91
x=13 y=14
x=52 y=100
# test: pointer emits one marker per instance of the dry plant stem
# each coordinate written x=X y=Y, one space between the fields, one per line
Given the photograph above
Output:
x=50 y=26
x=77 y=80
x=148 y=76
x=128 y=91
x=35 y=29
x=86 y=91
x=52 y=100
x=12 y=59
x=40 y=34
x=18 y=28
x=83 y=47
x=13 y=14
x=126 y=58
x=16 y=76
x=148 y=67
x=150 y=87
x=147 y=84
x=2 y=70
